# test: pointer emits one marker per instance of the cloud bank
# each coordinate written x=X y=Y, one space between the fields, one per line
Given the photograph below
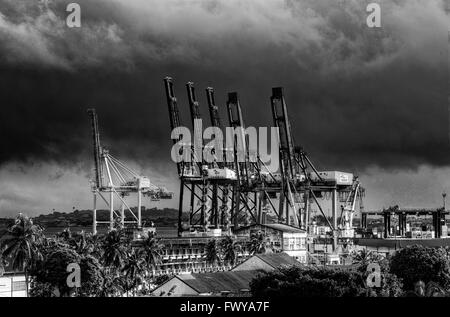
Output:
x=358 y=98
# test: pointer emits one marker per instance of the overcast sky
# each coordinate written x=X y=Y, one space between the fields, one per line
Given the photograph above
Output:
x=368 y=101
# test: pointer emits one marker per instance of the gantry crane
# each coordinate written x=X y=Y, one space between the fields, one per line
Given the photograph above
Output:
x=222 y=187
x=299 y=177
x=252 y=187
x=114 y=178
x=348 y=210
x=189 y=175
x=288 y=169
x=246 y=198
x=208 y=184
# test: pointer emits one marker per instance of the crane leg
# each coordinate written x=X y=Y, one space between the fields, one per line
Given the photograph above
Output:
x=111 y=209
x=139 y=208
x=94 y=215
x=180 y=208
x=334 y=213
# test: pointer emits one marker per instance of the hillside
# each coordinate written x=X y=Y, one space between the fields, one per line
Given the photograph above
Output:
x=160 y=217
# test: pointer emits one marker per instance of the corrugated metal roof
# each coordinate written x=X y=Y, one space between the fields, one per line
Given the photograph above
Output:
x=276 y=260
x=218 y=281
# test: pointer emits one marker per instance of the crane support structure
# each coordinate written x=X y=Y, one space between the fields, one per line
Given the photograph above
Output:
x=300 y=178
x=214 y=190
x=245 y=198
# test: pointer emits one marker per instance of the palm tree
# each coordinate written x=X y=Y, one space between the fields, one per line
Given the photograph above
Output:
x=86 y=244
x=2 y=265
x=431 y=289
x=230 y=250
x=20 y=245
x=115 y=248
x=94 y=245
x=364 y=257
x=65 y=236
x=212 y=252
x=259 y=243
x=112 y=285
x=151 y=251
x=134 y=269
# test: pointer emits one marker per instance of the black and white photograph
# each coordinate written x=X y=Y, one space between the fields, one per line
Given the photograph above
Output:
x=227 y=154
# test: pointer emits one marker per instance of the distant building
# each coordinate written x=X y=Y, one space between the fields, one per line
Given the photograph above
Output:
x=389 y=246
x=13 y=286
x=207 y=284
x=282 y=237
x=321 y=231
x=266 y=262
x=187 y=255
x=141 y=233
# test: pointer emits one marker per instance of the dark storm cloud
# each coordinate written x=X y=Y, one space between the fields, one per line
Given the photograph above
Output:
x=357 y=97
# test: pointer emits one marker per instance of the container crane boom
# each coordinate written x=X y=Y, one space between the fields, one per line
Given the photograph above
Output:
x=236 y=122
x=174 y=114
x=281 y=120
x=215 y=122
x=97 y=148
x=195 y=115
x=213 y=109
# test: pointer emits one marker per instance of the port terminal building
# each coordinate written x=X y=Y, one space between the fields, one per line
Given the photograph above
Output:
x=396 y=223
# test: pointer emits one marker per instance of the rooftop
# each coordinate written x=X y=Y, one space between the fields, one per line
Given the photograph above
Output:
x=219 y=281
x=276 y=260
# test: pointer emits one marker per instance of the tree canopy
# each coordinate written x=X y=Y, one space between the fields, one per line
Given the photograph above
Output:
x=419 y=263
x=308 y=282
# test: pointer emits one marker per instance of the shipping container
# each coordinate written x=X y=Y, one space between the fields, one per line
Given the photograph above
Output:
x=341 y=178
x=221 y=173
x=143 y=182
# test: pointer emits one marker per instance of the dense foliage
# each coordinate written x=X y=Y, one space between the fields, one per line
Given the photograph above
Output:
x=212 y=252
x=296 y=281
x=224 y=252
x=411 y=271
x=230 y=250
x=110 y=266
x=259 y=243
x=419 y=263
x=308 y=282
